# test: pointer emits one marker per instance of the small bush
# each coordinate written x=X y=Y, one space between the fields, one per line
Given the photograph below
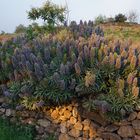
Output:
x=120 y=18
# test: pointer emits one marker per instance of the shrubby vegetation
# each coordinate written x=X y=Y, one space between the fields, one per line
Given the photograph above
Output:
x=69 y=62
x=78 y=63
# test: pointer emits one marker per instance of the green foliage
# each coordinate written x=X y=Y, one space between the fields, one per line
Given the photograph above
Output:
x=100 y=19
x=31 y=32
x=120 y=106
x=10 y=131
x=49 y=12
x=120 y=18
x=20 y=29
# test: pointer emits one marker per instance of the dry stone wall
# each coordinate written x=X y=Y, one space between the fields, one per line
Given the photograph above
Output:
x=73 y=123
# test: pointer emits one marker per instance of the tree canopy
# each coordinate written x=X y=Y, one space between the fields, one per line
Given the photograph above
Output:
x=51 y=13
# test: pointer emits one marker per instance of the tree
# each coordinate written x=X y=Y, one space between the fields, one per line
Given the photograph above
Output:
x=120 y=18
x=132 y=17
x=51 y=13
x=20 y=29
x=100 y=19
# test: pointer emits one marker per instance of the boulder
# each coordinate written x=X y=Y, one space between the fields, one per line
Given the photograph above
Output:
x=126 y=131
x=136 y=124
x=74 y=133
x=110 y=136
x=43 y=122
x=132 y=116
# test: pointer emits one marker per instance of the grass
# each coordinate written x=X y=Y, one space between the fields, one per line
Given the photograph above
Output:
x=10 y=131
x=123 y=31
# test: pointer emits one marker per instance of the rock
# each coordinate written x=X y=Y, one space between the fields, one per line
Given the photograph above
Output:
x=137 y=131
x=74 y=133
x=122 y=123
x=127 y=139
x=86 y=124
x=8 y=112
x=62 y=110
x=24 y=114
x=111 y=128
x=138 y=116
x=69 y=125
x=75 y=112
x=63 y=118
x=94 y=125
x=29 y=121
x=132 y=116
x=110 y=136
x=85 y=134
x=79 y=118
x=98 y=138
x=69 y=108
x=100 y=130
x=92 y=133
x=95 y=117
x=63 y=128
x=136 y=124
x=2 y=110
x=136 y=137
x=137 y=108
x=67 y=114
x=2 y=100
x=126 y=131
x=57 y=121
x=40 y=130
x=73 y=120
x=52 y=128
x=55 y=114
x=64 y=137
x=43 y=122
x=78 y=126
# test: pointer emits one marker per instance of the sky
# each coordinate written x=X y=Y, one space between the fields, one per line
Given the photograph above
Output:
x=14 y=12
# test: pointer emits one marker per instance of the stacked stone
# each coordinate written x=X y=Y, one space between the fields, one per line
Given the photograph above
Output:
x=71 y=123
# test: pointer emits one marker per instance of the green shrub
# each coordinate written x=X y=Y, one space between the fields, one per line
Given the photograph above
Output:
x=120 y=18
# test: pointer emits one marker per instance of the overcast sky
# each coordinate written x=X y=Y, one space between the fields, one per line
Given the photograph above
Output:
x=14 y=12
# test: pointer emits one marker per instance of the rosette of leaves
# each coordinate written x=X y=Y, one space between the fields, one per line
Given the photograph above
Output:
x=120 y=106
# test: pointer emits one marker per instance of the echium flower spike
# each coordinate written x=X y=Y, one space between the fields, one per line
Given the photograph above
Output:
x=133 y=62
x=23 y=59
x=118 y=63
x=38 y=71
x=72 y=84
x=67 y=69
x=100 y=55
x=135 y=81
x=105 y=60
x=120 y=92
x=135 y=91
x=56 y=77
x=121 y=83
x=89 y=79
x=73 y=58
x=92 y=55
x=111 y=58
x=29 y=67
x=130 y=78
x=62 y=84
x=86 y=52
x=77 y=69
x=47 y=54
x=80 y=61
x=14 y=61
x=124 y=54
x=62 y=69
